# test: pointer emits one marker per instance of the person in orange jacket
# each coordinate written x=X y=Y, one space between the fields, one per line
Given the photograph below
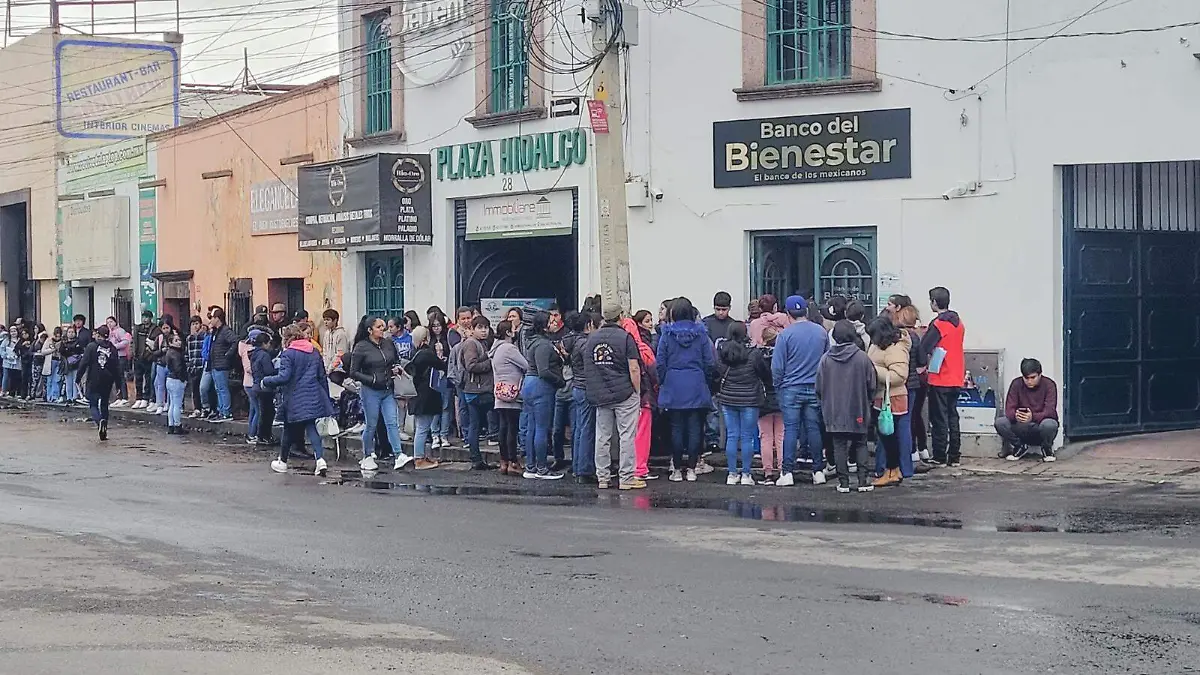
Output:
x=942 y=346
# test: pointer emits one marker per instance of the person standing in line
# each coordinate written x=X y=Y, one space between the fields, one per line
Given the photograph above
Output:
x=71 y=355
x=478 y=387
x=276 y=320
x=461 y=330
x=583 y=415
x=373 y=363
x=122 y=340
x=508 y=373
x=913 y=446
x=101 y=368
x=427 y=368
x=943 y=350
x=717 y=324
x=845 y=384
x=7 y=359
x=889 y=352
x=612 y=367
x=166 y=329
x=195 y=363
x=543 y=379
x=441 y=345
x=305 y=389
x=244 y=349
x=262 y=366
x=648 y=391
x=685 y=364
x=177 y=379
x=50 y=364
x=398 y=329
x=770 y=421
x=798 y=352
x=144 y=335
x=334 y=340
x=742 y=374
x=221 y=355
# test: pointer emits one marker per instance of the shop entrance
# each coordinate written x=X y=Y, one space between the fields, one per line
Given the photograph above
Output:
x=20 y=292
x=1132 y=291
x=528 y=266
x=814 y=263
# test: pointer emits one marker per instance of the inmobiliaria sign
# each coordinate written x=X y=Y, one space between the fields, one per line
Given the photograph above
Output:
x=523 y=215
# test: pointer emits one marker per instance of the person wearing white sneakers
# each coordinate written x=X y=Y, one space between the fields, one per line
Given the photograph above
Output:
x=743 y=375
x=373 y=363
x=121 y=339
x=684 y=361
x=1030 y=413
x=798 y=352
x=845 y=383
x=305 y=389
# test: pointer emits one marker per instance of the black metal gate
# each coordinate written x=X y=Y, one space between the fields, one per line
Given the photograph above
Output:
x=122 y=308
x=239 y=304
x=1132 y=278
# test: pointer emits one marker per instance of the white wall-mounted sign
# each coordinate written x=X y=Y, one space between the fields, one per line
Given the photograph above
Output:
x=522 y=215
x=95 y=239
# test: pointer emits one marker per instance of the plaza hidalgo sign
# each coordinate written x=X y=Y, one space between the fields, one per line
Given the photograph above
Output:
x=516 y=154
x=834 y=147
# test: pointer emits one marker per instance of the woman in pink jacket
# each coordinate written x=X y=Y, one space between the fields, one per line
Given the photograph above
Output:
x=641 y=442
x=771 y=316
x=120 y=339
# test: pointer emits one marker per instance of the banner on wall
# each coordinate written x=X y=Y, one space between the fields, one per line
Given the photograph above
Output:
x=147 y=249
x=105 y=166
x=523 y=215
x=496 y=309
x=365 y=201
x=95 y=236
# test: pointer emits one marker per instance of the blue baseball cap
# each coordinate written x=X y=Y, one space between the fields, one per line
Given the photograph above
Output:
x=796 y=303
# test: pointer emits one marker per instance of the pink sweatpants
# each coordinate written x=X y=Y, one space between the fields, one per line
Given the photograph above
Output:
x=770 y=438
x=641 y=442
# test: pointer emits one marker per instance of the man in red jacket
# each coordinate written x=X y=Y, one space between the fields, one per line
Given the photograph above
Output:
x=1030 y=413
x=943 y=349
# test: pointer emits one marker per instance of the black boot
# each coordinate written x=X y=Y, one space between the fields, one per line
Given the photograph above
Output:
x=170 y=430
x=180 y=431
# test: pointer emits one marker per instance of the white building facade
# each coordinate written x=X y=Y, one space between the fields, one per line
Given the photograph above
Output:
x=1036 y=158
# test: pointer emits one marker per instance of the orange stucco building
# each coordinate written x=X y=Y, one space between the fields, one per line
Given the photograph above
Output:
x=226 y=195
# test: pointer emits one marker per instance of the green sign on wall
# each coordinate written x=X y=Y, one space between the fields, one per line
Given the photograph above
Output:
x=147 y=249
x=516 y=154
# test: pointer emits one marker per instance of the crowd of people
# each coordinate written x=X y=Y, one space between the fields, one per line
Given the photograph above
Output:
x=800 y=386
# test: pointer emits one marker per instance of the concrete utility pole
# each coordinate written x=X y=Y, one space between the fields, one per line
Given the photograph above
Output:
x=613 y=226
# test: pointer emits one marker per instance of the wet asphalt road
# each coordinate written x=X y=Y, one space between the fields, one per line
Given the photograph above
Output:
x=947 y=574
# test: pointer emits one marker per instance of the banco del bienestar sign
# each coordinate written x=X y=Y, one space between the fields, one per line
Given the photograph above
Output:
x=868 y=145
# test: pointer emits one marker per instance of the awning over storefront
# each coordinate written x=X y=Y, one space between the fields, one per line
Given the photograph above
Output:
x=375 y=199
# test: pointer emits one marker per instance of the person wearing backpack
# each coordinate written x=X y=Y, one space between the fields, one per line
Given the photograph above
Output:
x=889 y=353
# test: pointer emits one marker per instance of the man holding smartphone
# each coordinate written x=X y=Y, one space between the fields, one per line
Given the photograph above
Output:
x=1030 y=414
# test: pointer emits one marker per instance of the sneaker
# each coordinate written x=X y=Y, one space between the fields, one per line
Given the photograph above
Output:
x=1018 y=452
x=402 y=460
x=676 y=476
x=224 y=418
x=277 y=424
x=866 y=488
x=768 y=480
x=649 y=476
x=368 y=463
x=602 y=485
x=279 y=466
x=251 y=440
x=356 y=429
x=747 y=479
x=553 y=475
x=934 y=461
x=529 y=474
x=119 y=403
x=844 y=489
x=702 y=467
x=437 y=443
x=424 y=463
x=635 y=484
x=446 y=443
x=818 y=478
x=195 y=413
x=955 y=463
x=103 y=430
x=691 y=475
x=493 y=442
x=924 y=455
x=1048 y=456
x=138 y=405
x=405 y=437
x=731 y=479
x=785 y=480
x=322 y=468
x=852 y=468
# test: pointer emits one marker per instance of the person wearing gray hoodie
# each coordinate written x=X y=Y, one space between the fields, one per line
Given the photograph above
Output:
x=845 y=385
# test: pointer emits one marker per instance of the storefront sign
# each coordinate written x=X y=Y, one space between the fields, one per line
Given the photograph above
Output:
x=517 y=154
x=110 y=90
x=523 y=215
x=598 y=115
x=496 y=309
x=869 y=145
x=95 y=239
x=431 y=14
x=365 y=201
x=105 y=166
x=273 y=207
x=147 y=249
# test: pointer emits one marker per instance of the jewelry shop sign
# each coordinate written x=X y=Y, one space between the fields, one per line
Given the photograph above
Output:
x=826 y=148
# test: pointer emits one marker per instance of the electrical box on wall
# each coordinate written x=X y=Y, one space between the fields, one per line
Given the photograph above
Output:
x=636 y=194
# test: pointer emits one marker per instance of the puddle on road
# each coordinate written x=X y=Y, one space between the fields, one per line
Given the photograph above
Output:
x=764 y=510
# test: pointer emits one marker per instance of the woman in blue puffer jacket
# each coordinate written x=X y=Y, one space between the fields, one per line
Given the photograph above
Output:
x=305 y=388
x=685 y=365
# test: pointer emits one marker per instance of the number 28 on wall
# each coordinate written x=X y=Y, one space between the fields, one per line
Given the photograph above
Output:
x=506 y=184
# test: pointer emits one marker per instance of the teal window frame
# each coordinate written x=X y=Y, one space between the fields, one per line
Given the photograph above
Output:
x=808 y=41
x=385 y=284
x=378 y=53
x=509 y=61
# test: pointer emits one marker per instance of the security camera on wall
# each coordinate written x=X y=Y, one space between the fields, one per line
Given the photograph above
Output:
x=657 y=194
x=960 y=190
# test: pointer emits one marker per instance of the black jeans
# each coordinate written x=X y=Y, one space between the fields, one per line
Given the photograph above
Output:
x=266 y=415
x=943 y=418
x=510 y=424
x=477 y=412
x=916 y=408
x=194 y=387
x=687 y=435
x=143 y=379
x=847 y=447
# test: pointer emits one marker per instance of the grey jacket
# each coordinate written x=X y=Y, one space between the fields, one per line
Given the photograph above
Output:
x=509 y=367
x=845 y=385
x=476 y=368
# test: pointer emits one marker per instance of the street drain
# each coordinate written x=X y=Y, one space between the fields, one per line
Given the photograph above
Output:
x=560 y=556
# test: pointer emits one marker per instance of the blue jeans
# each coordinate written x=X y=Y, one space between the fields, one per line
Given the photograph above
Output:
x=904 y=435
x=206 y=388
x=537 y=396
x=253 y=421
x=220 y=380
x=562 y=415
x=424 y=433
x=741 y=426
x=98 y=402
x=54 y=386
x=801 y=414
x=583 y=434
x=160 y=385
x=441 y=423
x=475 y=412
x=72 y=387
x=175 y=392
x=523 y=425
x=374 y=404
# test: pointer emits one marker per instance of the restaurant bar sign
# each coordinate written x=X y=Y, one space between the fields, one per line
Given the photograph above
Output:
x=516 y=154
x=834 y=147
x=365 y=201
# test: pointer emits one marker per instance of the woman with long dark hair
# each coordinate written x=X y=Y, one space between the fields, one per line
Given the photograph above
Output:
x=508 y=372
x=744 y=376
x=426 y=368
x=685 y=363
x=439 y=340
x=889 y=352
x=373 y=363
x=913 y=439
x=544 y=378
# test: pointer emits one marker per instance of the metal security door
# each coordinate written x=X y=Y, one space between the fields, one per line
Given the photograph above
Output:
x=1132 y=278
